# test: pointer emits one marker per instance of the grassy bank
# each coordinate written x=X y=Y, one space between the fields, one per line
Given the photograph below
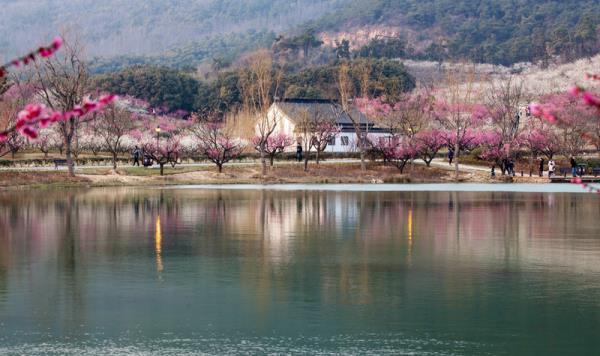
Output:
x=251 y=174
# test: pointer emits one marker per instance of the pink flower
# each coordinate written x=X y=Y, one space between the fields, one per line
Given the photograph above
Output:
x=57 y=43
x=535 y=109
x=575 y=90
x=29 y=132
x=590 y=99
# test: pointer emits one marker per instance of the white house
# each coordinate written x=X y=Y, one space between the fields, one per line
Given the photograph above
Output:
x=288 y=114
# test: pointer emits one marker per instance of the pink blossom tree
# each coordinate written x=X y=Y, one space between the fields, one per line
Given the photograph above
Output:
x=406 y=115
x=275 y=145
x=315 y=129
x=215 y=143
x=323 y=134
x=396 y=150
x=163 y=151
x=59 y=85
x=459 y=119
x=43 y=143
x=571 y=117
x=429 y=143
x=505 y=119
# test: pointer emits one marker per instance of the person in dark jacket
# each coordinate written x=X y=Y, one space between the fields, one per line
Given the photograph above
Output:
x=299 y=152
x=450 y=156
x=574 y=166
x=541 y=167
x=136 y=156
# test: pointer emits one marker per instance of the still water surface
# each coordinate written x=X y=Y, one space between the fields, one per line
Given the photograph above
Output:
x=233 y=271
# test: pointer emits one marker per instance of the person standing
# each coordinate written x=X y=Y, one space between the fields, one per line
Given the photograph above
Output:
x=573 y=166
x=551 y=168
x=136 y=156
x=450 y=156
x=299 y=152
x=511 y=167
x=541 y=167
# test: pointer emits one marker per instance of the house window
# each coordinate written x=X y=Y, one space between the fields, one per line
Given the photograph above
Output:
x=331 y=141
x=345 y=141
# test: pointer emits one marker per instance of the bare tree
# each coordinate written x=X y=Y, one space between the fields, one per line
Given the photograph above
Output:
x=259 y=84
x=62 y=82
x=13 y=97
x=458 y=112
x=504 y=100
x=112 y=125
x=345 y=107
x=216 y=143
x=316 y=129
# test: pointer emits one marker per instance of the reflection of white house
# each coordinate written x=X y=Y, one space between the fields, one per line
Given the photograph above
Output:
x=288 y=114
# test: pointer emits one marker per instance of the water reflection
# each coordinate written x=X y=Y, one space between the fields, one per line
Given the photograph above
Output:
x=451 y=264
x=158 y=246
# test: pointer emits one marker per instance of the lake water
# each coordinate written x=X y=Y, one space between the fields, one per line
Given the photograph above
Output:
x=328 y=270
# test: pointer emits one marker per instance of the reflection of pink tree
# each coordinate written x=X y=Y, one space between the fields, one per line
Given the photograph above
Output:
x=275 y=145
x=215 y=143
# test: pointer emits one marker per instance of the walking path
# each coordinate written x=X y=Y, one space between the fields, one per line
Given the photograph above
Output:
x=438 y=163
x=442 y=163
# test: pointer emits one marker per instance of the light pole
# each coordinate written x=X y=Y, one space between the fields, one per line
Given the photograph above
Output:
x=157 y=135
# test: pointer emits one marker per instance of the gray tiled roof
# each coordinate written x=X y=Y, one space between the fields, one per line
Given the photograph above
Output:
x=295 y=108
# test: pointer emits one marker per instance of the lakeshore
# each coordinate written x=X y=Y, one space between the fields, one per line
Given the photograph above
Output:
x=326 y=173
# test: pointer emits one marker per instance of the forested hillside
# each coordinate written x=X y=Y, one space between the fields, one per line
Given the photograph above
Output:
x=188 y=32
x=490 y=31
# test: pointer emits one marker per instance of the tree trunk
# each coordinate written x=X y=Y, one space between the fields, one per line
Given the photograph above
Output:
x=272 y=159
x=306 y=158
x=456 y=157
x=69 y=157
x=263 y=159
x=114 y=160
x=162 y=168
x=317 y=157
x=220 y=167
x=363 y=165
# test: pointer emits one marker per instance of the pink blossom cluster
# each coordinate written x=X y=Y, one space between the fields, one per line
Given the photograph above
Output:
x=275 y=143
x=43 y=52
x=36 y=116
x=587 y=97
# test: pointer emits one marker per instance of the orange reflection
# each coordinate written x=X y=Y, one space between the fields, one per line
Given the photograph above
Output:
x=409 y=228
x=158 y=245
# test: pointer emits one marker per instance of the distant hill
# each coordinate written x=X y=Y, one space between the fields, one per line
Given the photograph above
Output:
x=187 y=32
x=484 y=31
x=142 y=27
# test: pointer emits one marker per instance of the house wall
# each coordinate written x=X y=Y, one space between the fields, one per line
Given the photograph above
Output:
x=352 y=145
x=344 y=142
